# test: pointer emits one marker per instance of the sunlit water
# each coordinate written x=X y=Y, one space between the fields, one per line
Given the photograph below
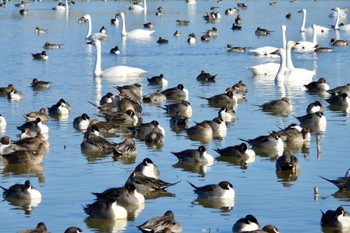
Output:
x=67 y=177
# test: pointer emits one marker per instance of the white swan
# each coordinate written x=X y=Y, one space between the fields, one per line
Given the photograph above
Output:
x=136 y=33
x=319 y=30
x=137 y=7
x=115 y=71
x=269 y=68
x=61 y=6
x=291 y=76
x=337 y=26
x=89 y=36
x=307 y=46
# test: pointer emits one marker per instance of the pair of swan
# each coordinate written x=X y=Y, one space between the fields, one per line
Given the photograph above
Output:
x=319 y=29
x=308 y=46
x=287 y=72
x=89 y=36
x=137 y=7
x=61 y=6
x=115 y=71
x=136 y=33
x=337 y=26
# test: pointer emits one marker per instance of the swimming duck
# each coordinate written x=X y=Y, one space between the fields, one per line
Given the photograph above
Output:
x=236 y=27
x=202 y=132
x=182 y=22
x=143 y=129
x=96 y=144
x=127 y=118
x=270 y=144
x=73 y=230
x=340 y=102
x=239 y=151
x=40 y=56
x=155 y=136
x=235 y=49
x=127 y=195
x=148 y=25
x=145 y=183
x=24 y=156
x=23 y=12
x=338 y=42
x=218 y=126
x=27 y=133
x=227 y=114
x=126 y=149
x=314 y=107
x=319 y=49
x=158 y=224
x=60 y=108
x=158 y=80
x=148 y=168
x=21 y=191
x=198 y=155
x=103 y=30
x=177 y=33
x=184 y=107
x=178 y=120
x=295 y=134
x=317 y=86
x=262 y=32
x=40 y=84
x=106 y=209
x=48 y=45
x=39 y=30
x=177 y=93
x=205 y=77
x=192 y=39
x=133 y=91
x=6 y=145
x=206 y=37
x=154 y=98
x=238 y=19
x=31 y=116
x=36 y=126
x=283 y=106
x=222 y=190
x=115 y=50
x=162 y=41
x=338 y=218
x=343 y=183
x=40 y=228
x=287 y=162
x=316 y=119
x=14 y=95
x=5 y=90
x=246 y=224
x=81 y=122
x=33 y=143
x=240 y=86
x=222 y=100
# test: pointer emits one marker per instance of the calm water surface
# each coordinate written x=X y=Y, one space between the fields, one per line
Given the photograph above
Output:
x=67 y=177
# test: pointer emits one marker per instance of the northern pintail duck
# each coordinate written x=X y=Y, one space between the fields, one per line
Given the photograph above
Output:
x=282 y=106
x=40 y=56
x=103 y=30
x=287 y=162
x=24 y=156
x=206 y=37
x=177 y=93
x=125 y=103
x=3 y=122
x=115 y=50
x=236 y=27
x=340 y=89
x=289 y=15
x=23 y=12
x=222 y=100
x=158 y=80
x=343 y=183
x=154 y=98
x=148 y=25
x=33 y=143
x=155 y=136
x=317 y=86
x=127 y=118
x=246 y=224
x=235 y=49
x=39 y=30
x=202 y=132
x=73 y=230
x=145 y=128
x=40 y=228
x=230 y=11
x=126 y=149
x=81 y=122
x=21 y=191
x=106 y=209
x=238 y=152
x=212 y=32
x=60 y=108
x=36 y=126
x=32 y=116
x=161 y=40
x=158 y=224
x=316 y=119
x=262 y=32
x=15 y=95
x=224 y=189
x=319 y=49
x=7 y=146
x=227 y=114
x=265 y=229
x=218 y=126
x=295 y=134
x=133 y=91
x=39 y=84
x=205 y=77
x=338 y=218
x=314 y=107
x=127 y=195
x=27 y=133
x=96 y=144
x=177 y=33
x=145 y=183
x=341 y=101
x=5 y=90
x=48 y=45
x=198 y=155
x=270 y=144
x=178 y=120
x=182 y=22
x=184 y=107
x=238 y=19
x=148 y=168
x=191 y=39
x=108 y=98
x=338 y=42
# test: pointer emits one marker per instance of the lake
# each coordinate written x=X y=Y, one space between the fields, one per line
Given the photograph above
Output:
x=67 y=177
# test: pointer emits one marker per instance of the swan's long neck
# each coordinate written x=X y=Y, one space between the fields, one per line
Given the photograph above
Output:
x=336 y=26
x=89 y=27
x=144 y=6
x=67 y=7
x=314 y=37
x=282 y=69
x=97 y=69
x=302 y=29
x=289 y=62
x=124 y=33
x=284 y=40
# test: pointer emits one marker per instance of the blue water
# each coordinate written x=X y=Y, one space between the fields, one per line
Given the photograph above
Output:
x=67 y=177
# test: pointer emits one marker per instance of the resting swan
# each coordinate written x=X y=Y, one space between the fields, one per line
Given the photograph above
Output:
x=136 y=33
x=319 y=30
x=89 y=36
x=307 y=46
x=115 y=71
x=137 y=7
x=337 y=26
x=290 y=76
x=269 y=68
x=61 y=6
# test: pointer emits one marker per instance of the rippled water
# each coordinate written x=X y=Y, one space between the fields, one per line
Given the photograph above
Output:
x=67 y=177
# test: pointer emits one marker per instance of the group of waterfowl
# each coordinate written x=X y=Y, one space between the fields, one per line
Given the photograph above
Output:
x=121 y=112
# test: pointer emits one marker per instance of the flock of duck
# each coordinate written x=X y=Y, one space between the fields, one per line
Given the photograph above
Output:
x=121 y=112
